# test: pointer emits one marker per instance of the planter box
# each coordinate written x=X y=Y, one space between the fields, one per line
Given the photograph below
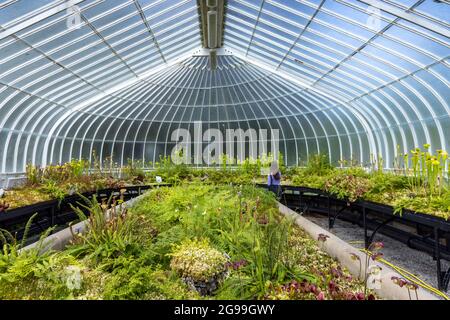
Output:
x=54 y=213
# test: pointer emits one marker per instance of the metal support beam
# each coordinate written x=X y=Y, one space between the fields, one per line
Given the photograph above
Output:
x=301 y=33
x=25 y=23
x=211 y=18
x=7 y=3
x=149 y=29
x=213 y=59
x=422 y=22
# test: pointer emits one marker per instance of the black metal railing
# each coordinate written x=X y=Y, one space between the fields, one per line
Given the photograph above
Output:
x=423 y=232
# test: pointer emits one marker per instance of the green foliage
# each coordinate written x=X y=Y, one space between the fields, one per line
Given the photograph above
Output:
x=253 y=232
x=110 y=233
x=227 y=171
x=188 y=229
x=300 y=177
x=137 y=281
x=34 y=174
x=134 y=171
x=425 y=171
x=76 y=168
x=331 y=281
x=126 y=254
x=52 y=188
x=238 y=286
x=318 y=164
x=388 y=184
x=348 y=186
x=411 y=190
x=428 y=170
x=281 y=163
x=30 y=275
x=170 y=172
x=438 y=206
x=268 y=261
x=57 y=181
x=34 y=273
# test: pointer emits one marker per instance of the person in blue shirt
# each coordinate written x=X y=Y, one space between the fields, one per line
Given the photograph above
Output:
x=274 y=179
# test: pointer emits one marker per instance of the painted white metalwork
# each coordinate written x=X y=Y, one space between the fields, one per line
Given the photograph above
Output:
x=346 y=77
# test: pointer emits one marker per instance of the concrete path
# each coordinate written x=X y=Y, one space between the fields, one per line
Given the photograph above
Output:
x=397 y=253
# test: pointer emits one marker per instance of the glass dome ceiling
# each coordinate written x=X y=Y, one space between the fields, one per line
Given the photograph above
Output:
x=343 y=77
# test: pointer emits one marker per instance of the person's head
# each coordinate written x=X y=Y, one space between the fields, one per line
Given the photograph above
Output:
x=274 y=168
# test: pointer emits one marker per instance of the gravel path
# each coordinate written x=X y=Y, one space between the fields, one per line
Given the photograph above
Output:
x=397 y=253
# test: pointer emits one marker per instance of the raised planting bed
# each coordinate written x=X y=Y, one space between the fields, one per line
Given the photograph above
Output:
x=56 y=213
x=184 y=242
x=424 y=232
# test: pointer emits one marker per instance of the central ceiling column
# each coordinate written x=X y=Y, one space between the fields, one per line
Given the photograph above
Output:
x=212 y=18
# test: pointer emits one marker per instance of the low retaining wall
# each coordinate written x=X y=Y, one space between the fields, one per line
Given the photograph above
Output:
x=343 y=252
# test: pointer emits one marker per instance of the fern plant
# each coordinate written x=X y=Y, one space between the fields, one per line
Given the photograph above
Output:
x=110 y=232
x=19 y=267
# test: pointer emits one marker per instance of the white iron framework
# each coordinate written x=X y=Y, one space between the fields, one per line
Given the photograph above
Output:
x=344 y=77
